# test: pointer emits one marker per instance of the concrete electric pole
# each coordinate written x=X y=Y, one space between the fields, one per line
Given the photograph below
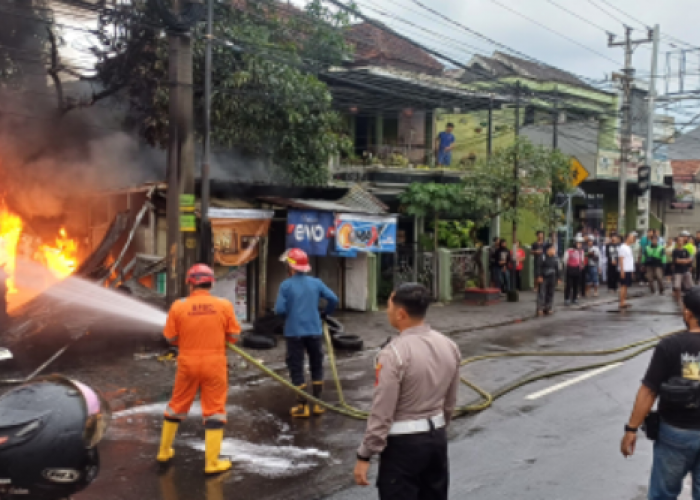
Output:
x=626 y=132
x=179 y=18
x=644 y=219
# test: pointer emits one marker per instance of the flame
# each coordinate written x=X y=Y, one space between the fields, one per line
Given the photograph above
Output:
x=62 y=259
x=10 y=232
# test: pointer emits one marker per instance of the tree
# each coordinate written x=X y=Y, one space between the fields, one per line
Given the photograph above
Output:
x=266 y=99
x=542 y=173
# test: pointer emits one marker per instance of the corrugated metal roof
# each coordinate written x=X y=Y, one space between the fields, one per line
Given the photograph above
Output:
x=357 y=200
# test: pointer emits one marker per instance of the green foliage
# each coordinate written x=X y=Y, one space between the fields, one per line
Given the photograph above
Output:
x=266 y=100
x=491 y=180
x=455 y=234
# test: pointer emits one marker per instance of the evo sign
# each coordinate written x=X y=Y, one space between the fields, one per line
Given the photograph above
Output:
x=310 y=230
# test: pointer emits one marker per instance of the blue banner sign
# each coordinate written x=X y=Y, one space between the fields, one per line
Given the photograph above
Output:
x=309 y=230
x=364 y=233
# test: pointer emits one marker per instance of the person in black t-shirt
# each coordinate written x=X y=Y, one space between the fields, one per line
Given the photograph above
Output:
x=537 y=251
x=682 y=265
x=493 y=264
x=677 y=450
x=503 y=258
x=611 y=256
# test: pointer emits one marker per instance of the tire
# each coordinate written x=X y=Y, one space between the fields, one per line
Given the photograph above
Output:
x=334 y=326
x=269 y=325
x=347 y=342
x=257 y=341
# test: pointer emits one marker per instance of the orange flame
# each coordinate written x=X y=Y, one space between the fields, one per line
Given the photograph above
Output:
x=60 y=259
x=10 y=232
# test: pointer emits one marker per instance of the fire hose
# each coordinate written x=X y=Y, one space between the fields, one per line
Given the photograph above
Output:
x=487 y=398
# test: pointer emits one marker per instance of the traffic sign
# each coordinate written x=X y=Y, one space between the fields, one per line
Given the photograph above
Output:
x=578 y=172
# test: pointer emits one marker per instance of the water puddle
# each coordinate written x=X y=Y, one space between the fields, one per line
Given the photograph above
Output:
x=269 y=461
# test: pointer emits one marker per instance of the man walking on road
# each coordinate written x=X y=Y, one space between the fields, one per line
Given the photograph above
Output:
x=626 y=267
x=538 y=253
x=298 y=300
x=200 y=326
x=677 y=449
x=682 y=264
x=655 y=261
x=547 y=278
x=414 y=397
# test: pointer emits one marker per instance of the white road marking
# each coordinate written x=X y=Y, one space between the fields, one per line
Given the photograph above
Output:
x=575 y=380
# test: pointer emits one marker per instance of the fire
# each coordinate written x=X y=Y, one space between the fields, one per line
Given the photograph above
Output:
x=10 y=232
x=60 y=259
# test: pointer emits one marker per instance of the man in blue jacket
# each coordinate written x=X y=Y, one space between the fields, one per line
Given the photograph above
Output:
x=297 y=300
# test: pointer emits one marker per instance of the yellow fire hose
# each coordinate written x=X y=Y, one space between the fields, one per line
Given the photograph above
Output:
x=487 y=398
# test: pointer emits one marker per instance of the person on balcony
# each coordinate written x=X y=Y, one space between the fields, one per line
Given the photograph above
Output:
x=444 y=144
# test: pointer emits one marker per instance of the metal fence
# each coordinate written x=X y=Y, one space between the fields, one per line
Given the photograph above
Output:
x=463 y=268
x=415 y=266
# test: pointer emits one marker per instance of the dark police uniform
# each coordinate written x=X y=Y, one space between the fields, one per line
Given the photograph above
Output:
x=414 y=398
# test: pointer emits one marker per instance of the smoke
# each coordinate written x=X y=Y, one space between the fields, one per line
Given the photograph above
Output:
x=47 y=159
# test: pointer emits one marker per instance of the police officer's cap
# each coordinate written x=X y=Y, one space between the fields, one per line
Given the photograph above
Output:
x=691 y=301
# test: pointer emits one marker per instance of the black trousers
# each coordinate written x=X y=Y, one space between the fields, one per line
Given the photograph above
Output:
x=613 y=277
x=415 y=467
x=296 y=347
x=573 y=283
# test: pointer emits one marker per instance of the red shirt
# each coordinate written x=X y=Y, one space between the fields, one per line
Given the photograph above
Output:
x=520 y=258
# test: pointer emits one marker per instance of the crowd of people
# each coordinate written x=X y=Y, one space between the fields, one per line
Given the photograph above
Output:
x=614 y=261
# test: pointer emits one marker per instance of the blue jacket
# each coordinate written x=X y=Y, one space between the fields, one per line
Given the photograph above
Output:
x=298 y=301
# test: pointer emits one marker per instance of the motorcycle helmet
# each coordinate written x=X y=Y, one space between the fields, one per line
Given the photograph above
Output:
x=49 y=431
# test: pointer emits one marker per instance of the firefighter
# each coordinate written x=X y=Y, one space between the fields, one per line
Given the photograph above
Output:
x=200 y=326
x=298 y=300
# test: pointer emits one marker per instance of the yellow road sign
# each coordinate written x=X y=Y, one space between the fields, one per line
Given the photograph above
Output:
x=578 y=172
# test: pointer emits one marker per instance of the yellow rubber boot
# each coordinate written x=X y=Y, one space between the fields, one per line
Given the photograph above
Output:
x=301 y=410
x=317 y=390
x=166 y=451
x=212 y=450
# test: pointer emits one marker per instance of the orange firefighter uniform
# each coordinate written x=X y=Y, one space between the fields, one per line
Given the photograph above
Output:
x=200 y=326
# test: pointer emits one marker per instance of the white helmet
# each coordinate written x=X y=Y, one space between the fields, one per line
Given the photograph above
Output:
x=579 y=239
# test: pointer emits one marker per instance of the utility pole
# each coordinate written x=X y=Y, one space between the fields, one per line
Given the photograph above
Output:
x=205 y=245
x=650 y=124
x=555 y=121
x=626 y=136
x=513 y=296
x=181 y=234
x=496 y=221
x=174 y=251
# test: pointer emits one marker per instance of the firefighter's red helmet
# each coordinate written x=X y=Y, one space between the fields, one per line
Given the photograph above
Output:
x=298 y=260
x=200 y=274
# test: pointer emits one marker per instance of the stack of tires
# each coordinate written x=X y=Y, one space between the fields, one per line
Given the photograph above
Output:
x=269 y=327
x=341 y=340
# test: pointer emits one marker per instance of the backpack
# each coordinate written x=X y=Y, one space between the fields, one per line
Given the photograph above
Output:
x=574 y=258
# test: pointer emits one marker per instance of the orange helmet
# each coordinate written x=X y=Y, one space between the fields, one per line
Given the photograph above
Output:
x=200 y=274
x=298 y=260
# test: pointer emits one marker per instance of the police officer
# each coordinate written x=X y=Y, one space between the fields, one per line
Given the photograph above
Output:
x=297 y=301
x=673 y=376
x=417 y=376
x=200 y=326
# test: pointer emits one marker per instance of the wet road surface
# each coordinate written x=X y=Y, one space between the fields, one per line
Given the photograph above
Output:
x=564 y=444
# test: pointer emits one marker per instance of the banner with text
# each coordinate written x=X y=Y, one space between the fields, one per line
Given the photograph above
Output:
x=236 y=234
x=365 y=233
x=310 y=230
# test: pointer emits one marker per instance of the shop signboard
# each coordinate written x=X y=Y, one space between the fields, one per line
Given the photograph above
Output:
x=365 y=233
x=236 y=234
x=683 y=196
x=310 y=230
x=608 y=167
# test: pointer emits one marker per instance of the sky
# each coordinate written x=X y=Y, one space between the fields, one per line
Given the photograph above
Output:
x=580 y=44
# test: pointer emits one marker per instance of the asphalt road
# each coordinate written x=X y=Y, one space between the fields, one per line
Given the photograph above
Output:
x=562 y=445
